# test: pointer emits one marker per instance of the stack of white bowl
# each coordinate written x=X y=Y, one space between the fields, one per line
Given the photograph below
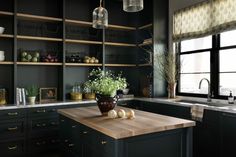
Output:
x=2 y=56
x=2 y=53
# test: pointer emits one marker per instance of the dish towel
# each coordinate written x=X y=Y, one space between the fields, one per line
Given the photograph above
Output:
x=197 y=112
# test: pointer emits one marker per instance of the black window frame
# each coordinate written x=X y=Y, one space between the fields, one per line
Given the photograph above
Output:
x=214 y=67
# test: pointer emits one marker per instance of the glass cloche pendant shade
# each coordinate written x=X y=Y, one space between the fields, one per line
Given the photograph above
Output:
x=100 y=17
x=132 y=5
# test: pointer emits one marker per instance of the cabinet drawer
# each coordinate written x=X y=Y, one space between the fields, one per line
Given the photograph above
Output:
x=44 y=144
x=43 y=112
x=12 y=148
x=44 y=124
x=12 y=114
x=11 y=129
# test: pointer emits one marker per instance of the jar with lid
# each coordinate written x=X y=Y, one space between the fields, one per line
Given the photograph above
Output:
x=2 y=96
x=76 y=93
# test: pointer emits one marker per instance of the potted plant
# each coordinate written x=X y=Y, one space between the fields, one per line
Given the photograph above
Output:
x=32 y=92
x=168 y=69
x=105 y=85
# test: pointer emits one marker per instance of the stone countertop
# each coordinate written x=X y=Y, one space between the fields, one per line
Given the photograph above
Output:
x=58 y=103
x=118 y=128
x=229 y=108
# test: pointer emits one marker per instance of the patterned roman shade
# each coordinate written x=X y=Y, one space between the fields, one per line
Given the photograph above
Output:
x=207 y=18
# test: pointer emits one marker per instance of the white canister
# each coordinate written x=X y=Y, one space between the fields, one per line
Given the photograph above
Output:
x=2 y=30
x=2 y=55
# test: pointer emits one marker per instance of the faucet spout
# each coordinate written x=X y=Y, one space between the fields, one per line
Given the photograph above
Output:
x=209 y=88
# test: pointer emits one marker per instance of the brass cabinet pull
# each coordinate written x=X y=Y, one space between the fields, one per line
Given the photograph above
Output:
x=12 y=128
x=12 y=147
x=53 y=123
x=73 y=126
x=104 y=142
x=71 y=145
x=41 y=143
x=12 y=113
x=85 y=132
x=41 y=125
x=41 y=111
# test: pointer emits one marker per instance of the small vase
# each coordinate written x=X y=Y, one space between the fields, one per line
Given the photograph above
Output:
x=171 y=90
x=106 y=103
x=31 y=100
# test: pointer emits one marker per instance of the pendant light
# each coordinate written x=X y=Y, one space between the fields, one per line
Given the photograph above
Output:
x=132 y=5
x=100 y=17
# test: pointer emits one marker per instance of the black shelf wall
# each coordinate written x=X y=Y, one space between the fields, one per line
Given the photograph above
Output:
x=63 y=76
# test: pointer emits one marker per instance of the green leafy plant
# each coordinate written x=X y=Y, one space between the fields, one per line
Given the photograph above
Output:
x=105 y=83
x=32 y=91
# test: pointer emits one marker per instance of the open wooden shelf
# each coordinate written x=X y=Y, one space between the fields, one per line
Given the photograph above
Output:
x=78 y=22
x=120 y=44
x=36 y=17
x=120 y=65
x=83 y=64
x=38 y=63
x=6 y=36
x=145 y=65
x=144 y=44
x=89 y=24
x=119 y=27
x=83 y=42
x=37 y=38
x=6 y=63
x=145 y=26
x=6 y=13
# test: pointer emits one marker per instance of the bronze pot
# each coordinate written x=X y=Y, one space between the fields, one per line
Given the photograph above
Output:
x=106 y=103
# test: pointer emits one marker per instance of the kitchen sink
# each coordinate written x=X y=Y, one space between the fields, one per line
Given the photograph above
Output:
x=215 y=104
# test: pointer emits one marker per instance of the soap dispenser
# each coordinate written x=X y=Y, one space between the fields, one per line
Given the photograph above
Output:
x=231 y=98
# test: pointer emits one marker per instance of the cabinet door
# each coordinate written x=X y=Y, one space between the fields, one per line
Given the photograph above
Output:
x=206 y=135
x=227 y=134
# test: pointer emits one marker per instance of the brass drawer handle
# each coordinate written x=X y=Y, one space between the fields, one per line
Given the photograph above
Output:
x=104 y=142
x=85 y=132
x=12 y=113
x=71 y=145
x=41 y=125
x=12 y=147
x=41 y=143
x=54 y=123
x=41 y=111
x=12 y=128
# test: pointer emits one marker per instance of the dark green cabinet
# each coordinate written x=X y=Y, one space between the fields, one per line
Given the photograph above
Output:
x=227 y=134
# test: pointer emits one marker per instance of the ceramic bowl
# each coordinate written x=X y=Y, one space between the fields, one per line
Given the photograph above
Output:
x=2 y=30
x=125 y=91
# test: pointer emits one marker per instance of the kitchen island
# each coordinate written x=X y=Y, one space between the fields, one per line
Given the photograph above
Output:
x=84 y=132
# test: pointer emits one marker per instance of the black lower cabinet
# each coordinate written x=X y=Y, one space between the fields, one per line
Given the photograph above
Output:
x=227 y=134
x=206 y=135
x=81 y=141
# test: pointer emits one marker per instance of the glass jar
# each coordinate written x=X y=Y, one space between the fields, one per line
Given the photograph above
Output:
x=2 y=96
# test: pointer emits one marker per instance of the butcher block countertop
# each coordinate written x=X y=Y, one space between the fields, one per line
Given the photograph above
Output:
x=144 y=122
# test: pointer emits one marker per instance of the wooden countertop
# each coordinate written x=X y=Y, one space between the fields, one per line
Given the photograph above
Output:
x=144 y=123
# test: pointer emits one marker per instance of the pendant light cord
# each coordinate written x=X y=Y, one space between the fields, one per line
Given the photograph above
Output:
x=100 y=3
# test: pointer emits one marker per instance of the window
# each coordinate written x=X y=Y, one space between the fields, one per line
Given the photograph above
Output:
x=195 y=64
x=227 y=62
x=211 y=57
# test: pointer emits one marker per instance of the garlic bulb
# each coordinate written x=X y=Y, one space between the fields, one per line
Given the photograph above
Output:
x=130 y=114
x=121 y=113
x=112 y=114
